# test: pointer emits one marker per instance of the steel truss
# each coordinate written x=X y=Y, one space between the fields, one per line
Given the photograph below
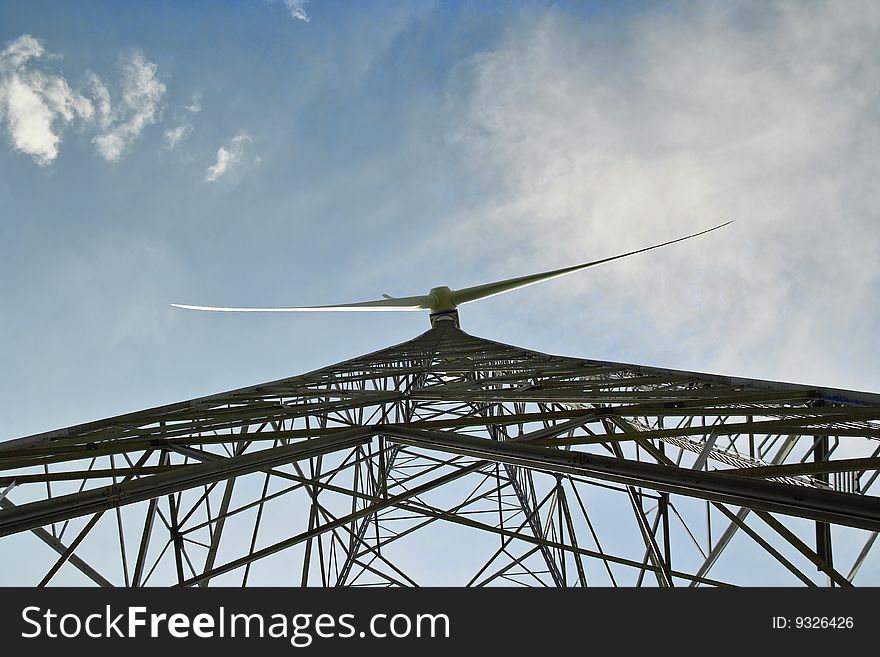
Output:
x=454 y=460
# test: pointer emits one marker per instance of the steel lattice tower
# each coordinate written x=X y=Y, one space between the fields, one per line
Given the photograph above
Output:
x=451 y=459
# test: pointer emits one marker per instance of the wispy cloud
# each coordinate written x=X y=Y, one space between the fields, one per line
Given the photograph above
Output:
x=229 y=157
x=710 y=112
x=101 y=100
x=141 y=105
x=297 y=9
x=35 y=106
x=196 y=105
x=174 y=136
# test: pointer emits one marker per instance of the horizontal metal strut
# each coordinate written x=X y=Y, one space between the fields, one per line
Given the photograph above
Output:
x=811 y=503
x=65 y=507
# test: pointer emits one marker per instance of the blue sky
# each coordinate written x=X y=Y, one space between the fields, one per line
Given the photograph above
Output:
x=244 y=156
x=392 y=147
x=345 y=183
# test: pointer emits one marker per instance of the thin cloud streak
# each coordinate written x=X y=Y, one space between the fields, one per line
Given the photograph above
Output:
x=174 y=136
x=101 y=99
x=297 y=9
x=196 y=105
x=141 y=105
x=229 y=158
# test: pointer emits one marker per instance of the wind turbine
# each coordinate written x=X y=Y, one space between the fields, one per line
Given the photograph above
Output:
x=442 y=302
x=588 y=472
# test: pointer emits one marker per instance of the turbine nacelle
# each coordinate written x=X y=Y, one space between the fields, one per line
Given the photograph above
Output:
x=443 y=306
x=442 y=298
x=442 y=302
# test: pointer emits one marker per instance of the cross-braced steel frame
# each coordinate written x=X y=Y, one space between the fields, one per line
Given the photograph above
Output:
x=454 y=460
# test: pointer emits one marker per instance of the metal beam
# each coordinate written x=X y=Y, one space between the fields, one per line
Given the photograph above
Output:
x=340 y=522
x=826 y=506
x=62 y=549
x=65 y=507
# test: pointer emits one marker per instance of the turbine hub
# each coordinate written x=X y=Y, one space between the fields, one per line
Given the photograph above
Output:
x=443 y=300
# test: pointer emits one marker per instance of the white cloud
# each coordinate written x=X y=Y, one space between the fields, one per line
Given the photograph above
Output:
x=101 y=99
x=18 y=52
x=141 y=105
x=588 y=142
x=297 y=9
x=36 y=106
x=229 y=157
x=173 y=136
x=196 y=105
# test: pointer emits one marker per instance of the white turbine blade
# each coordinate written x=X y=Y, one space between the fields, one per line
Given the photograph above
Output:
x=468 y=294
x=402 y=304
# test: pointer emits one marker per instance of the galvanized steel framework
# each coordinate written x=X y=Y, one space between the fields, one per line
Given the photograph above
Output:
x=451 y=459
